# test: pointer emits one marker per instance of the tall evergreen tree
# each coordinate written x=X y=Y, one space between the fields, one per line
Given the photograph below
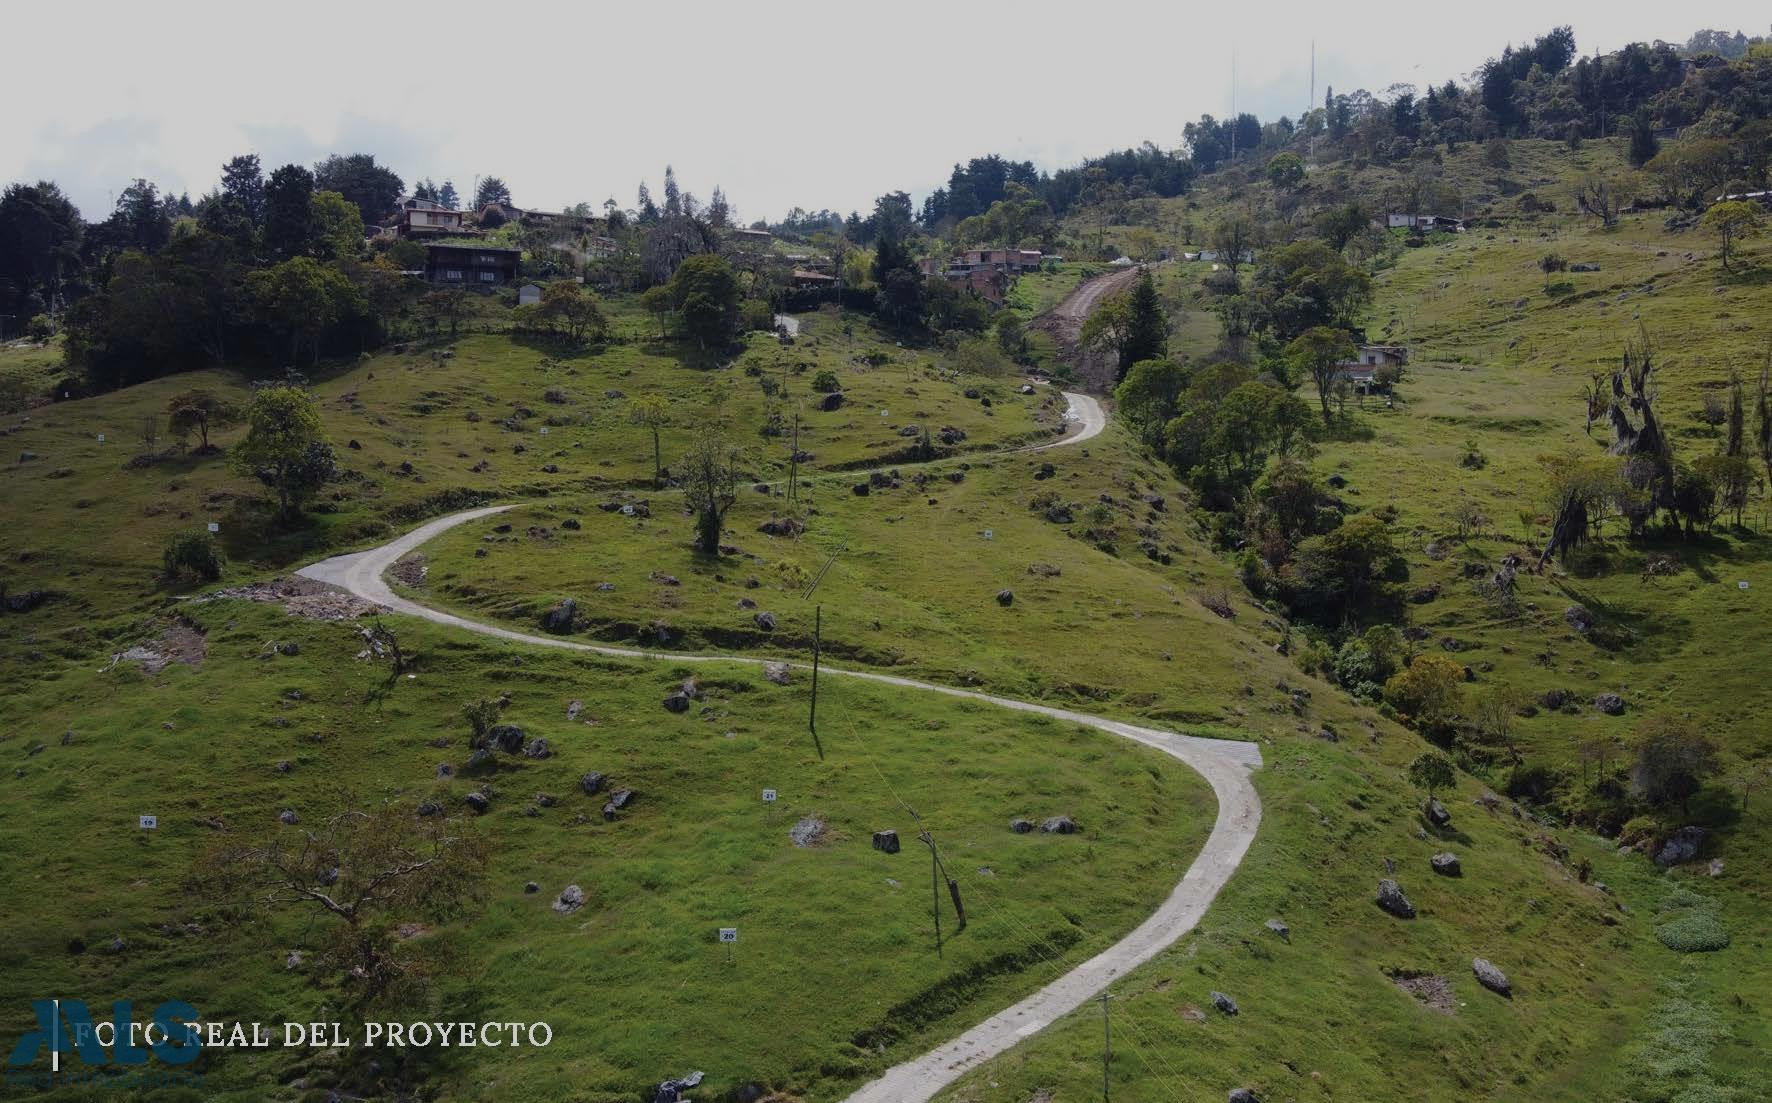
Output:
x=244 y=182
x=288 y=212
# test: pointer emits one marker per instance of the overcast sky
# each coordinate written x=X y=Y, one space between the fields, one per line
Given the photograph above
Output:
x=781 y=103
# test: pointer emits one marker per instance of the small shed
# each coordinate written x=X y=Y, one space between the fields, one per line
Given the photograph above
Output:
x=528 y=294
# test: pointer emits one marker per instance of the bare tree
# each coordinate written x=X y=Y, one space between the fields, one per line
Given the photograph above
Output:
x=1599 y=198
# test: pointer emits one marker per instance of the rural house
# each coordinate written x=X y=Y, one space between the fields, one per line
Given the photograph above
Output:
x=1362 y=371
x=427 y=218
x=475 y=265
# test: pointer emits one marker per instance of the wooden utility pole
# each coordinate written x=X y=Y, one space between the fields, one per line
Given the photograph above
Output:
x=794 y=461
x=1107 y=1046
x=934 y=885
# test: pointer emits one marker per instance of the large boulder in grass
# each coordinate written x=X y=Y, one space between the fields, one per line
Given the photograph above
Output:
x=1242 y=1095
x=1446 y=864
x=559 y=619
x=1391 y=899
x=505 y=737
x=1060 y=825
x=570 y=900
x=1681 y=846
x=1609 y=703
x=777 y=672
x=1224 y=1003
x=1491 y=978
x=1437 y=814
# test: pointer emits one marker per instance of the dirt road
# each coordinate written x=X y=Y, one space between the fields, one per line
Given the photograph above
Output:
x=1065 y=323
x=1225 y=764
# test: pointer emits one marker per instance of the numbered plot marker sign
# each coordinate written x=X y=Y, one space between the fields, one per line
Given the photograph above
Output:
x=1743 y=585
x=213 y=527
x=728 y=934
x=101 y=438
x=988 y=534
x=149 y=823
x=769 y=796
x=544 y=430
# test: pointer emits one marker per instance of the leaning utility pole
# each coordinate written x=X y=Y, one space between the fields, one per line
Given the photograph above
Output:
x=794 y=461
x=934 y=885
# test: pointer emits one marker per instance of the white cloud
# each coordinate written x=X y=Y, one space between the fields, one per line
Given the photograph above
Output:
x=781 y=103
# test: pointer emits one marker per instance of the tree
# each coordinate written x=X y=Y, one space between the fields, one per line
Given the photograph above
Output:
x=1432 y=770
x=1148 y=395
x=1551 y=263
x=285 y=446
x=1232 y=239
x=1285 y=171
x=1733 y=221
x=1309 y=284
x=652 y=411
x=244 y=183
x=565 y=303
x=140 y=220
x=335 y=228
x=709 y=474
x=1338 y=226
x=201 y=411
x=368 y=870
x=656 y=301
x=1147 y=327
x=373 y=189
x=707 y=294
x=303 y=298
x=1673 y=758
x=491 y=190
x=1430 y=692
x=1597 y=196
x=1343 y=572
x=289 y=212
x=447 y=197
x=446 y=304
x=40 y=236
x=1643 y=143
x=1319 y=353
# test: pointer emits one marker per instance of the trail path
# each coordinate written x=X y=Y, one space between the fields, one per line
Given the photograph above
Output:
x=1225 y=764
x=1065 y=321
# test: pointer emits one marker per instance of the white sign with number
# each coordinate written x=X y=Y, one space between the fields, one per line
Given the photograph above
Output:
x=101 y=438
x=988 y=534
x=728 y=934
x=150 y=823
x=769 y=796
x=213 y=527
x=544 y=430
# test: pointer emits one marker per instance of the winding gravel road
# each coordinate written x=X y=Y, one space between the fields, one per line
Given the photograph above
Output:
x=1225 y=764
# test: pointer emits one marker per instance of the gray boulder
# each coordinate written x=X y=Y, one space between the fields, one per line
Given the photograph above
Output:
x=1580 y=618
x=1242 y=1095
x=1280 y=929
x=1005 y=597
x=570 y=900
x=1437 y=814
x=1021 y=826
x=559 y=618
x=1224 y=1003
x=1491 y=978
x=1446 y=864
x=478 y=801
x=288 y=817
x=537 y=748
x=592 y=783
x=677 y=701
x=617 y=801
x=1681 y=846
x=886 y=841
x=765 y=621
x=1609 y=703
x=779 y=673
x=1059 y=825
x=505 y=737
x=1391 y=899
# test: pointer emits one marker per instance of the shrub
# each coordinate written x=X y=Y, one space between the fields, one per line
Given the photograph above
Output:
x=40 y=328
x=192 y=556
x=825 y=382
x=1693 y=926
x=1430 y=691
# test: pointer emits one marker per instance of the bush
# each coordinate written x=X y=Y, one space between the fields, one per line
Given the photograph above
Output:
x=825 y=382
x=40 y=328
x=1696 y=930
x=191 y=556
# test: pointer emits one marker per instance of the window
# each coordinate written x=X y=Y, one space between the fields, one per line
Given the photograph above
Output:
x=452 y=273
x=489 y=277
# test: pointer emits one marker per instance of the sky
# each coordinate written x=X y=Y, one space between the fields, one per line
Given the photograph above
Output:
x=781 y=103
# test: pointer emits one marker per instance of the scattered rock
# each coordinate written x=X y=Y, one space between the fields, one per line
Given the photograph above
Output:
x=1058 y=825
x=765 y=621
x=478 y=801
x=1716 y=867
x=1021 y=826
x=504 y=737
x=1392 y=900
x=1580 y=618
x=618 y=801
x=809 y=830
x=531 y=887
x=293 y=961
x=1446 y=864
x=1425 y=594
x=886 y=841
x=429 y=808
x=1242 y=1095
x=592 y=783
x=559 y=618
x=860 y=490
x=1491 y=978
x=1609 y=703
x=573 y=708
x=777 y=672
x=1005 y=597
x=781 y=526
x=444 y=769
x=1224 y=1003
x=1280 y=929
x=1437 y=814
x=571 y=899
x=1681 y=846
x=677 y=701
x=537 y=748
x=288 y=818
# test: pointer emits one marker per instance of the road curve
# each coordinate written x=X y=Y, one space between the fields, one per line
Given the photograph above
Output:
x=1225 y=764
